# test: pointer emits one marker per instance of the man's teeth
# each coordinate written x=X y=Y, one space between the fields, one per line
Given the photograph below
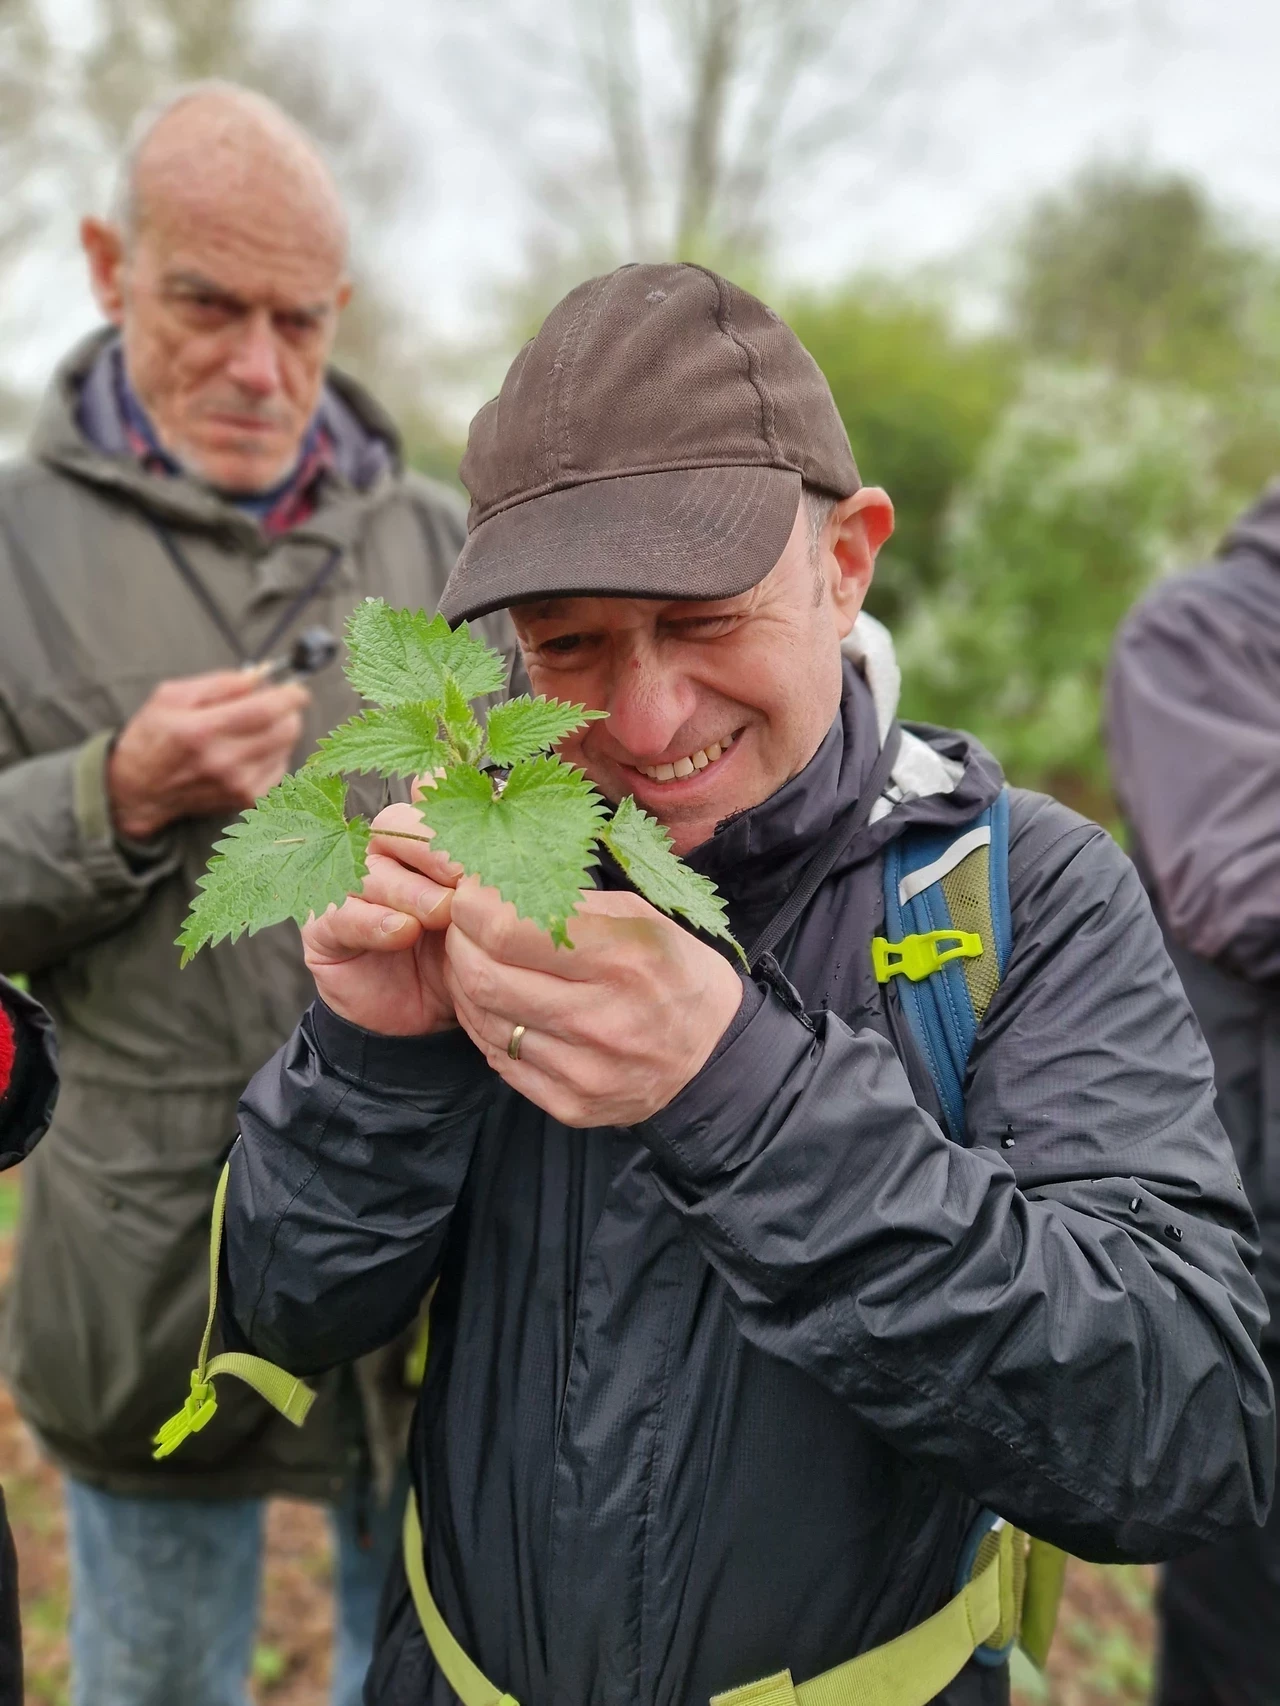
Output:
x=686 y=766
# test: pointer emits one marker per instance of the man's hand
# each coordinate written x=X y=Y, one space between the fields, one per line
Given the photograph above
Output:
x=378 y=959
x=202 y=745
x=614 y=1027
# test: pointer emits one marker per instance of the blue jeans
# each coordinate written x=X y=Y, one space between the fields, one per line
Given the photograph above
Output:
x=164 y=1596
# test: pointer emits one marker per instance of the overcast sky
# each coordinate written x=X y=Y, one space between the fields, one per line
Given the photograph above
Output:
x=1195 y=88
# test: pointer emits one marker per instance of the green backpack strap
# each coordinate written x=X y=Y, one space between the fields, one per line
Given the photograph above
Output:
x=283 y=1391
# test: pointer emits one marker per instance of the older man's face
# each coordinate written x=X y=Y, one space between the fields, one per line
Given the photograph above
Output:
x=712 y=707
x=228 y=313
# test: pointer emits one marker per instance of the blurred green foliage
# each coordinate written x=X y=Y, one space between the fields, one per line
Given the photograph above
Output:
x=1135 y=272
x=919 y=401
x=1125 y=407
x=1089 y=487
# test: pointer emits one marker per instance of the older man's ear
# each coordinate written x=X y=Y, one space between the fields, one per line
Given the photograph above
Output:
x=856 y=529
x=103 y=248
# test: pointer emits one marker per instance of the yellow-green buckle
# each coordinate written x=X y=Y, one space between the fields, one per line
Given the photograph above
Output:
x=195 y=1413
x=918 y=956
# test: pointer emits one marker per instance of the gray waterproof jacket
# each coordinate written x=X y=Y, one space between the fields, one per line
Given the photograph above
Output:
x=722 y=1392
x=1194 y=729
x=110 y=1288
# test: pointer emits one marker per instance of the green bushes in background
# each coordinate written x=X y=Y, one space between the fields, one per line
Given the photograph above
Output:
x=1125 y=408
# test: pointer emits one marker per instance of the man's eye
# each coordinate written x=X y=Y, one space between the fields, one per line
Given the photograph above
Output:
x=562 y=645
x=206 y=308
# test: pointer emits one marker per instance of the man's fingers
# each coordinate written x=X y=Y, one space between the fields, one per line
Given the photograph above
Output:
x=597 y=932
x=617 y=903
x=214 y=687
x=407 y=846
x=494 y=925
x=253 y=713
x=492 y=1036
x=358 y=927
x=534 y=1073
x=391 y=883
x=513 y=994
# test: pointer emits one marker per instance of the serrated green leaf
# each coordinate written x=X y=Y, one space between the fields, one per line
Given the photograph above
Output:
x=460 y=725
x=532 y=842
x=642 y=846
x=401 y=742
x=524 y=726
x=401 y=657
x=292 y=854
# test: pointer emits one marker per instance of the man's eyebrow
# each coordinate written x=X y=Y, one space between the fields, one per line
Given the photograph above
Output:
x=184 y=279
x=544 y=610
x=196 y=283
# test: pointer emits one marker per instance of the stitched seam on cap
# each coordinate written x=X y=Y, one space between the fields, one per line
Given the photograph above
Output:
x=555 y=389
x=593 y=308
x=756 y=371
x=724 y=319
x=567 y=483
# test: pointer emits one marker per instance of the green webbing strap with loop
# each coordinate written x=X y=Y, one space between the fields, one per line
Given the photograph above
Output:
x=1002 y=1601
x=283 y=1391
x=469 y=1683
x=1046 y=1573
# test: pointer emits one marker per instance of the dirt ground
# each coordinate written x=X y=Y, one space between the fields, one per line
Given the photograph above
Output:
x=291 y=1661
x=1102 y=1655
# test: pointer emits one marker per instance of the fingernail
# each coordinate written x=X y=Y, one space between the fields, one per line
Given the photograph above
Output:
x=390 y=925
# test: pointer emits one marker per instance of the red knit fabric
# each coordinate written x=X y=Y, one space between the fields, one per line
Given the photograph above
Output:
x=8 y=1049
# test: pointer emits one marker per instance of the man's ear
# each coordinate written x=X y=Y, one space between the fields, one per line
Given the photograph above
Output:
x=103 y=247
x=856 y=529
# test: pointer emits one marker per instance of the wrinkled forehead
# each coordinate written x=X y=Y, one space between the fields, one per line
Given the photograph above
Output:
x=607 y=612
x=279 y=263
x=249 y=208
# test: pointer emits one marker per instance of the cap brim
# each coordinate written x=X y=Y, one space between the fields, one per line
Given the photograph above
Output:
x=699 y=533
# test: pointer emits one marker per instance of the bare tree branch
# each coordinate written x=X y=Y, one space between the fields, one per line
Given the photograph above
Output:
x=606 y=31
x=693 y=121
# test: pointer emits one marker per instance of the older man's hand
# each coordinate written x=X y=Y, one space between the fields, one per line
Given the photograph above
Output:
x=202 y=744
x=614 y=1027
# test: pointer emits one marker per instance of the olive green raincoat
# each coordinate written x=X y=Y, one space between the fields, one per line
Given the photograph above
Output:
x=109 y=1292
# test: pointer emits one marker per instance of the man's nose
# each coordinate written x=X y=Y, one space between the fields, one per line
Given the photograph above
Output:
x=255 y=363
x=648 y=705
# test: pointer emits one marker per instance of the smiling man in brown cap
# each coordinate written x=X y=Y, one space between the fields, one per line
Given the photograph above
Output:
x=744 y=1326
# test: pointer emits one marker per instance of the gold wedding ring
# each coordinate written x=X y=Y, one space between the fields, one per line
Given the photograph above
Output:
x=517 y=1037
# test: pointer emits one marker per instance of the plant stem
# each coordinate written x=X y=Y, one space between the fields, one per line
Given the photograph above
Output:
x=404 y=835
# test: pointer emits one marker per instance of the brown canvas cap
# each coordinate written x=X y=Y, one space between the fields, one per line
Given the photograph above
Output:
x=650 y=442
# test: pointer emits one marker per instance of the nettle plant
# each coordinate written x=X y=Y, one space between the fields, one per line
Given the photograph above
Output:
x=503 y=806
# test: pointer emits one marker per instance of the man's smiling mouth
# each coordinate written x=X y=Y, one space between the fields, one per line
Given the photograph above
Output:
x=686 y=766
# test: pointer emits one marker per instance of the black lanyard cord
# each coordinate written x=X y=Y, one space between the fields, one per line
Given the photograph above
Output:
x=186 y=571
x=832 y=845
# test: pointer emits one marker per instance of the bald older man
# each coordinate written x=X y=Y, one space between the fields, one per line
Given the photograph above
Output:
x=202 y=495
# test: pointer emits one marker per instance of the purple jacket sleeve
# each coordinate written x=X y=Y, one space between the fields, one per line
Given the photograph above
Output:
x=1194 y=730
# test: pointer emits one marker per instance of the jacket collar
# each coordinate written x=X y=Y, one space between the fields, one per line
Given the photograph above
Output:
x=59 y=440
x=941 y=778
